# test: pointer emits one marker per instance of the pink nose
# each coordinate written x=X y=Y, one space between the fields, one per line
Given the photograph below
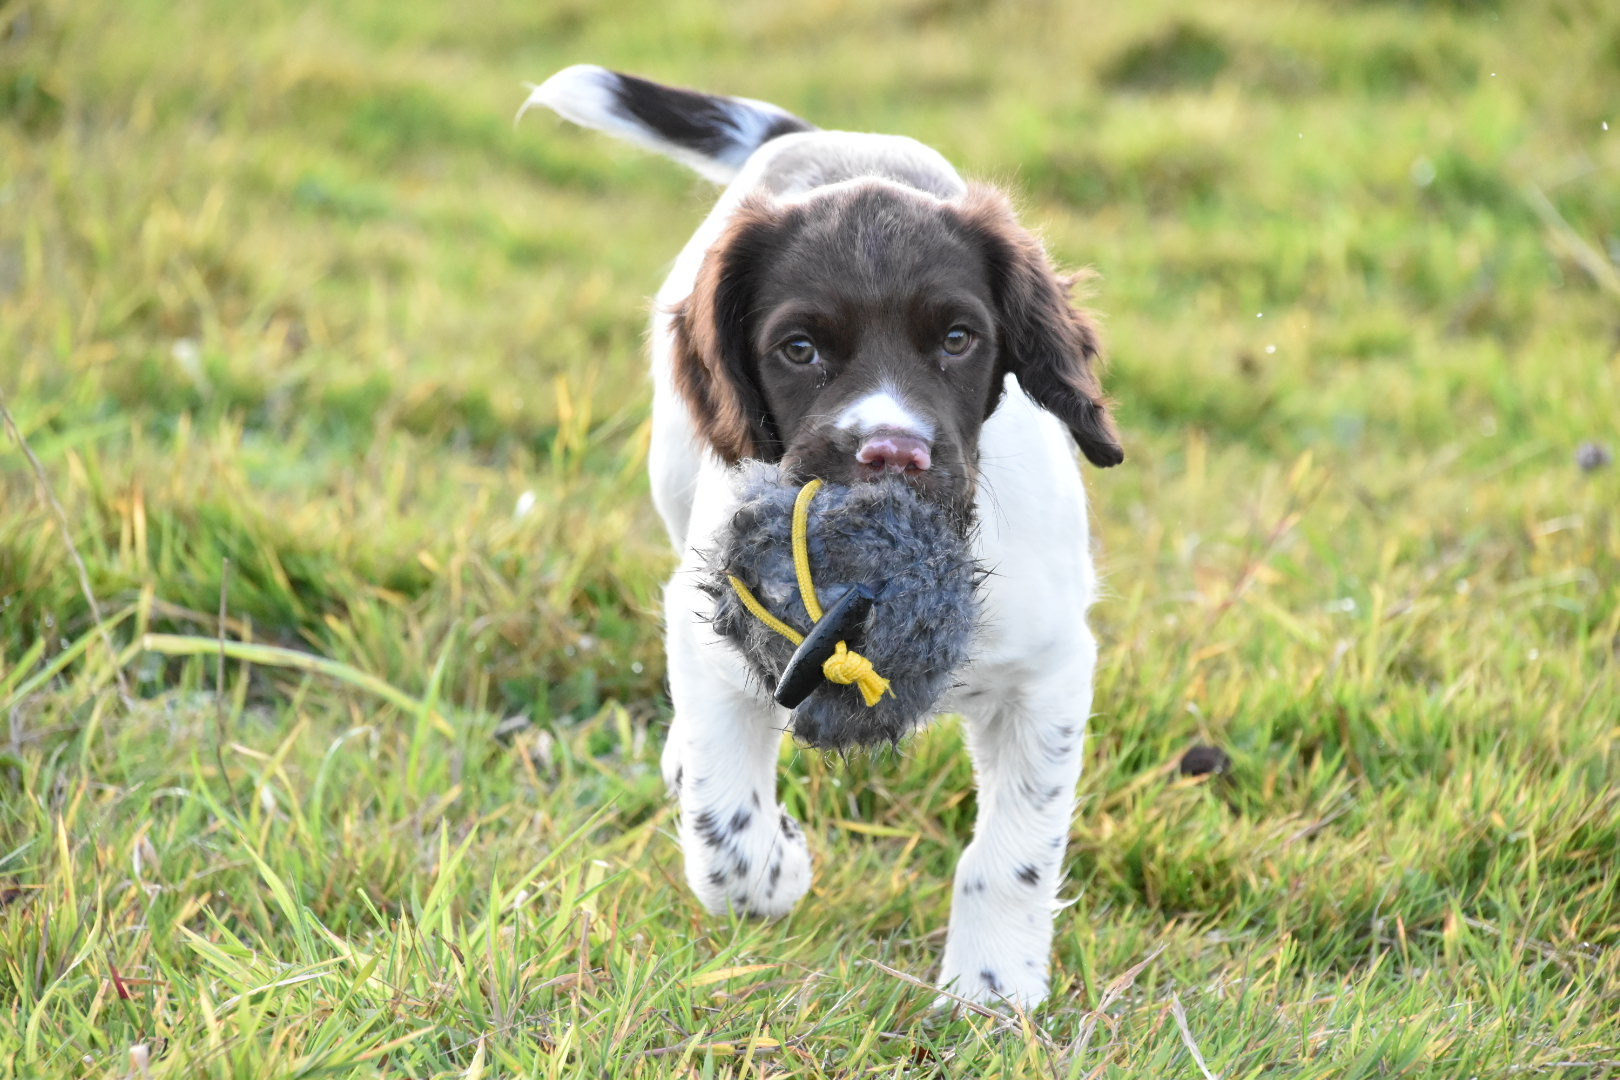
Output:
x=893 y=451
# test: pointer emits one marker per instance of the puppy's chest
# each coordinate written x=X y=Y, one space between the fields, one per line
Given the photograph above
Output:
x=1011 y=647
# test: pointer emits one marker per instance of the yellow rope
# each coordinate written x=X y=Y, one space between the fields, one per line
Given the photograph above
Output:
x=801 y=548
x=751 y=602
x=845 y=666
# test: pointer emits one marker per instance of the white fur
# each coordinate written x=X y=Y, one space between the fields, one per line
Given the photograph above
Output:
x=1027 y=695
x=883 y=410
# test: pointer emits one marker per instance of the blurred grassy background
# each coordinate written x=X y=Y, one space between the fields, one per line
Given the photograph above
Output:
x=289 y=306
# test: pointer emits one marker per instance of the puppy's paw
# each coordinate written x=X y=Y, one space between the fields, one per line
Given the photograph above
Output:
x=993 y=977
x=754 y=861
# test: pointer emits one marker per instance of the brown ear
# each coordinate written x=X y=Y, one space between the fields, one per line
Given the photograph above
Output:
x=713 y=358
x=1048 y=343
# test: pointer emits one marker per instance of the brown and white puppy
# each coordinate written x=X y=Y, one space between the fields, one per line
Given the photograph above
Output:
x=852 y=308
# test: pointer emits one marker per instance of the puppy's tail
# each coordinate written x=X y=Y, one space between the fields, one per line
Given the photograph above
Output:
x=708 y=132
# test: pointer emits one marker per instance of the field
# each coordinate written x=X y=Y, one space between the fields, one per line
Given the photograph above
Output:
x=330 y=379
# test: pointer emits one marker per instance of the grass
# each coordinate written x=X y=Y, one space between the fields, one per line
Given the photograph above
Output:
x=337 y=378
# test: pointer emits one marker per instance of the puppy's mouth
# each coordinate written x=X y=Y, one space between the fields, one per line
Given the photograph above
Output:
x=947 y=482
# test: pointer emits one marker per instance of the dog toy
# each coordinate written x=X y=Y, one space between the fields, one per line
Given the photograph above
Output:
x=852 y=604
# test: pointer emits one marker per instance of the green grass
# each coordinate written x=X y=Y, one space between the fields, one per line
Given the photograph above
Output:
x=292 y=315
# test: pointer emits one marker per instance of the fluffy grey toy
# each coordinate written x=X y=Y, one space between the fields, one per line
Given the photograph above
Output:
x=881 y=535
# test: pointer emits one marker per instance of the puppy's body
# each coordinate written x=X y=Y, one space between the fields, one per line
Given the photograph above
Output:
x=1026 y=694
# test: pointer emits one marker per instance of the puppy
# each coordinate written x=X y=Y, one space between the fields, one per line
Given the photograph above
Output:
x=852 y=308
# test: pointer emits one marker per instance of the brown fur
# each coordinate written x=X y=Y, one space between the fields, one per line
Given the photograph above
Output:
x=713 y=365
x=1050 y=345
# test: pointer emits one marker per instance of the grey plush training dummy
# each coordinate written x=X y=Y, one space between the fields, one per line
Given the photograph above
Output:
x=879 y=535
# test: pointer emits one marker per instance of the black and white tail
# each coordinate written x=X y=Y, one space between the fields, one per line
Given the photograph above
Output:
x=708 y=132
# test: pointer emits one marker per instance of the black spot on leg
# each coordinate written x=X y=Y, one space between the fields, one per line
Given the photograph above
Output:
x=754 y=798
x=717 y=876
x=974 y=887
x=707 y=829
x=740 y=820
x=741 y=866
x=991 y=980
x=1029 y=875
x=1061 y=744
x=680 y=775
x=789 y=826
x=1036 y=794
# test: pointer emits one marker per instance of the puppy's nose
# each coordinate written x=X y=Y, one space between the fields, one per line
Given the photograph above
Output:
x=894 y=451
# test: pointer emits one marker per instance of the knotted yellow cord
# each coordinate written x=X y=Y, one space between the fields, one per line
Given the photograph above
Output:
x=845 y=665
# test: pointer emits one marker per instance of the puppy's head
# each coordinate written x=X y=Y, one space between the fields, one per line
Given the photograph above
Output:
x=867 y=331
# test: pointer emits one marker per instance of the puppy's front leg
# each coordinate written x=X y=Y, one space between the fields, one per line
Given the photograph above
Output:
x=1027 y=755
x=742 y=849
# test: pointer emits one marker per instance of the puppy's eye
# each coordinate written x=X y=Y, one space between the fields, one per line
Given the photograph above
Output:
x=958 y=340
x=800 y=350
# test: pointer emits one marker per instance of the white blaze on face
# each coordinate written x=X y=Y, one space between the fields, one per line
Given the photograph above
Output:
x=884 y=411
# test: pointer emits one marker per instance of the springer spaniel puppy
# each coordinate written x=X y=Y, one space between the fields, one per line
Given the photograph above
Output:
x=853 y=308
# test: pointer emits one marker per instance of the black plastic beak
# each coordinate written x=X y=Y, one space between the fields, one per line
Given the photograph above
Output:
x=803 y=673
